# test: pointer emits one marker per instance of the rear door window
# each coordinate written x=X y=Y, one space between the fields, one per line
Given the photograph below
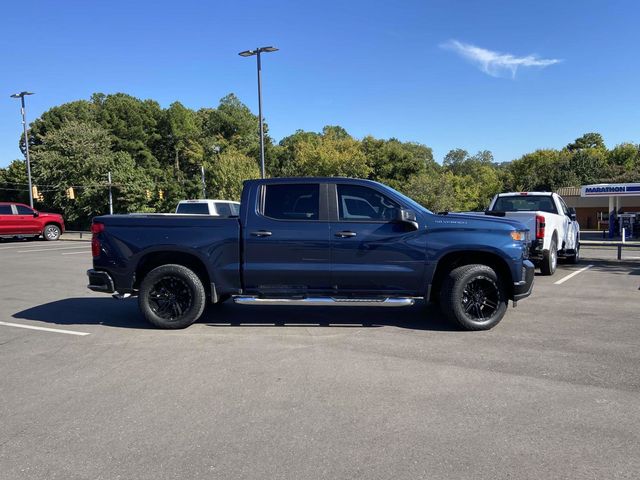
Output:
x=292 y=202
x=6 y=210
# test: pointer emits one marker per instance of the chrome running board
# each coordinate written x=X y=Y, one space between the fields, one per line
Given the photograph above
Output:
x=326 y=301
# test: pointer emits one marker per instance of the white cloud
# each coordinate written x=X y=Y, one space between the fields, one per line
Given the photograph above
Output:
x=495 y=63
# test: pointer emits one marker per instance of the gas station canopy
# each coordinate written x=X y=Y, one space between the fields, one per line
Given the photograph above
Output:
x=620 y=222
x=610 y=190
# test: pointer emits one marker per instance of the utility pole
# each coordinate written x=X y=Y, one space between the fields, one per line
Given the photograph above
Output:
x=204 y=185
x=110 y=196
x=21 y=96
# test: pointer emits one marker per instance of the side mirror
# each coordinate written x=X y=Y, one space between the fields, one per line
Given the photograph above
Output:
x=407 y=217
x=572 y=214
x=36 y=213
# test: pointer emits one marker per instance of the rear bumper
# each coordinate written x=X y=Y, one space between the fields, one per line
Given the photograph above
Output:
x=524 y=287
x=100 y=281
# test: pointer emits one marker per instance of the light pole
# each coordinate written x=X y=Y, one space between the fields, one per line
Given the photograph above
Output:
x=250 y=53
x=21 y=96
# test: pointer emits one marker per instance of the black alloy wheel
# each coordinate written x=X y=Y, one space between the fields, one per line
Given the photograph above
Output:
x=474 y=297
x=480 y=298
x=170 y=297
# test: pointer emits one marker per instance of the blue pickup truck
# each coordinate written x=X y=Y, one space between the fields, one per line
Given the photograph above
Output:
x=316 y=242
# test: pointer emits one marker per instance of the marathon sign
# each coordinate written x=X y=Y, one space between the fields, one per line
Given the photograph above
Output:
x=611 y=190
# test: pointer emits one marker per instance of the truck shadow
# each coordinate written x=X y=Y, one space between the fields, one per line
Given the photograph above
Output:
x=416 y=317
x=124 y=314
x=88 y=311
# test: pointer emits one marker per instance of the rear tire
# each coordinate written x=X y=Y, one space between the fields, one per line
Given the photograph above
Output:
x=51 y=232
x=550 y=259
x=474 y=297
x=171 y=296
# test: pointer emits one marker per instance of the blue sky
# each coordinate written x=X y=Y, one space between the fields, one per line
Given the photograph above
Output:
x=434 y=72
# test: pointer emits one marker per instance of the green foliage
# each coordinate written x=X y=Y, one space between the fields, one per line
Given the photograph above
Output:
x=588 y=140
x=155 y=157
x=332 y=153
x=226 y=173
x=79 y=155
x=394 y=160
x=13 y=182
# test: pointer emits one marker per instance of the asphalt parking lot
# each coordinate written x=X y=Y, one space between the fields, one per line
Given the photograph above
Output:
x=292 y=393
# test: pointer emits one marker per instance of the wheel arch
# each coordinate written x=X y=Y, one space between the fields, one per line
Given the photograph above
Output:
x=452 y=260
x=152 y=260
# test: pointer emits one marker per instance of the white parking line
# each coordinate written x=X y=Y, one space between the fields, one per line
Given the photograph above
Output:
x=31 y=245
x=76 y=253
x=51 y=249
x=571 y=275
x=24 y=245
x=44 y=329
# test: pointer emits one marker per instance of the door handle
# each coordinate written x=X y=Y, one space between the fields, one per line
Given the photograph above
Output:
x=261 y=233
x=346 y=234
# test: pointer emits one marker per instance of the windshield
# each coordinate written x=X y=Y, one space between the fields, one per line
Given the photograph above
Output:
x=525 y=203
x=408 y=200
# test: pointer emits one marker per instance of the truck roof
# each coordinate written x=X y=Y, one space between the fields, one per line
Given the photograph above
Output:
x=206 y=200
x=517 y=194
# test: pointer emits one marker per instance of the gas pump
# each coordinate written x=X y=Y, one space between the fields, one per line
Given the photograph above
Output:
x=627 y=222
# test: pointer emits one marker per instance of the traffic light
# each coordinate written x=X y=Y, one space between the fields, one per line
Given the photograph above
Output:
x=148 y=194
x=161 y=194
x=70 y=193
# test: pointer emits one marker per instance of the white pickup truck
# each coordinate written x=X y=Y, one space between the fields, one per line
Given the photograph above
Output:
x=553 y=226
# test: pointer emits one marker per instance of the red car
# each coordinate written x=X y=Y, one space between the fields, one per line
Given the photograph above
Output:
x=19 y=219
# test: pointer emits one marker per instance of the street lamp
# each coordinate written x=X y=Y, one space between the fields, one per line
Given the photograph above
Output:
x=250 y=53
x=21 y=96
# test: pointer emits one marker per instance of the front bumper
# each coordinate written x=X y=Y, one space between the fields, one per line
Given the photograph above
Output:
x=524 y=287
x=100 y=281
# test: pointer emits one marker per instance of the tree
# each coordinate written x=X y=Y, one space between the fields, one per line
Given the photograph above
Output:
x=588 y=140
x=227 y=171
x=133 y=125
x=79 y=155
x=14 y=185
x=444 y=191
x=329 y=154
x=392 y=159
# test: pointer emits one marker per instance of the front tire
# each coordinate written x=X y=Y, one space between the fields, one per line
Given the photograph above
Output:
x=575 y=258
x=51 y=232
x=171 y=297
x=474 y=297
x=550 y=259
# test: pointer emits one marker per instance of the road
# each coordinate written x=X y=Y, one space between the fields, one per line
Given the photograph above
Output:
x=293 y=393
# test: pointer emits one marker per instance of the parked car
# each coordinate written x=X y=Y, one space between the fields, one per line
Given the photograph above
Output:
x=314 y=241
x=557 y=232
x=17 y=219
x=219 y=208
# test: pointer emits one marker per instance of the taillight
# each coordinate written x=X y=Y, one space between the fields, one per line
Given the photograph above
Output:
x=540 y=225
x=96 y=228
